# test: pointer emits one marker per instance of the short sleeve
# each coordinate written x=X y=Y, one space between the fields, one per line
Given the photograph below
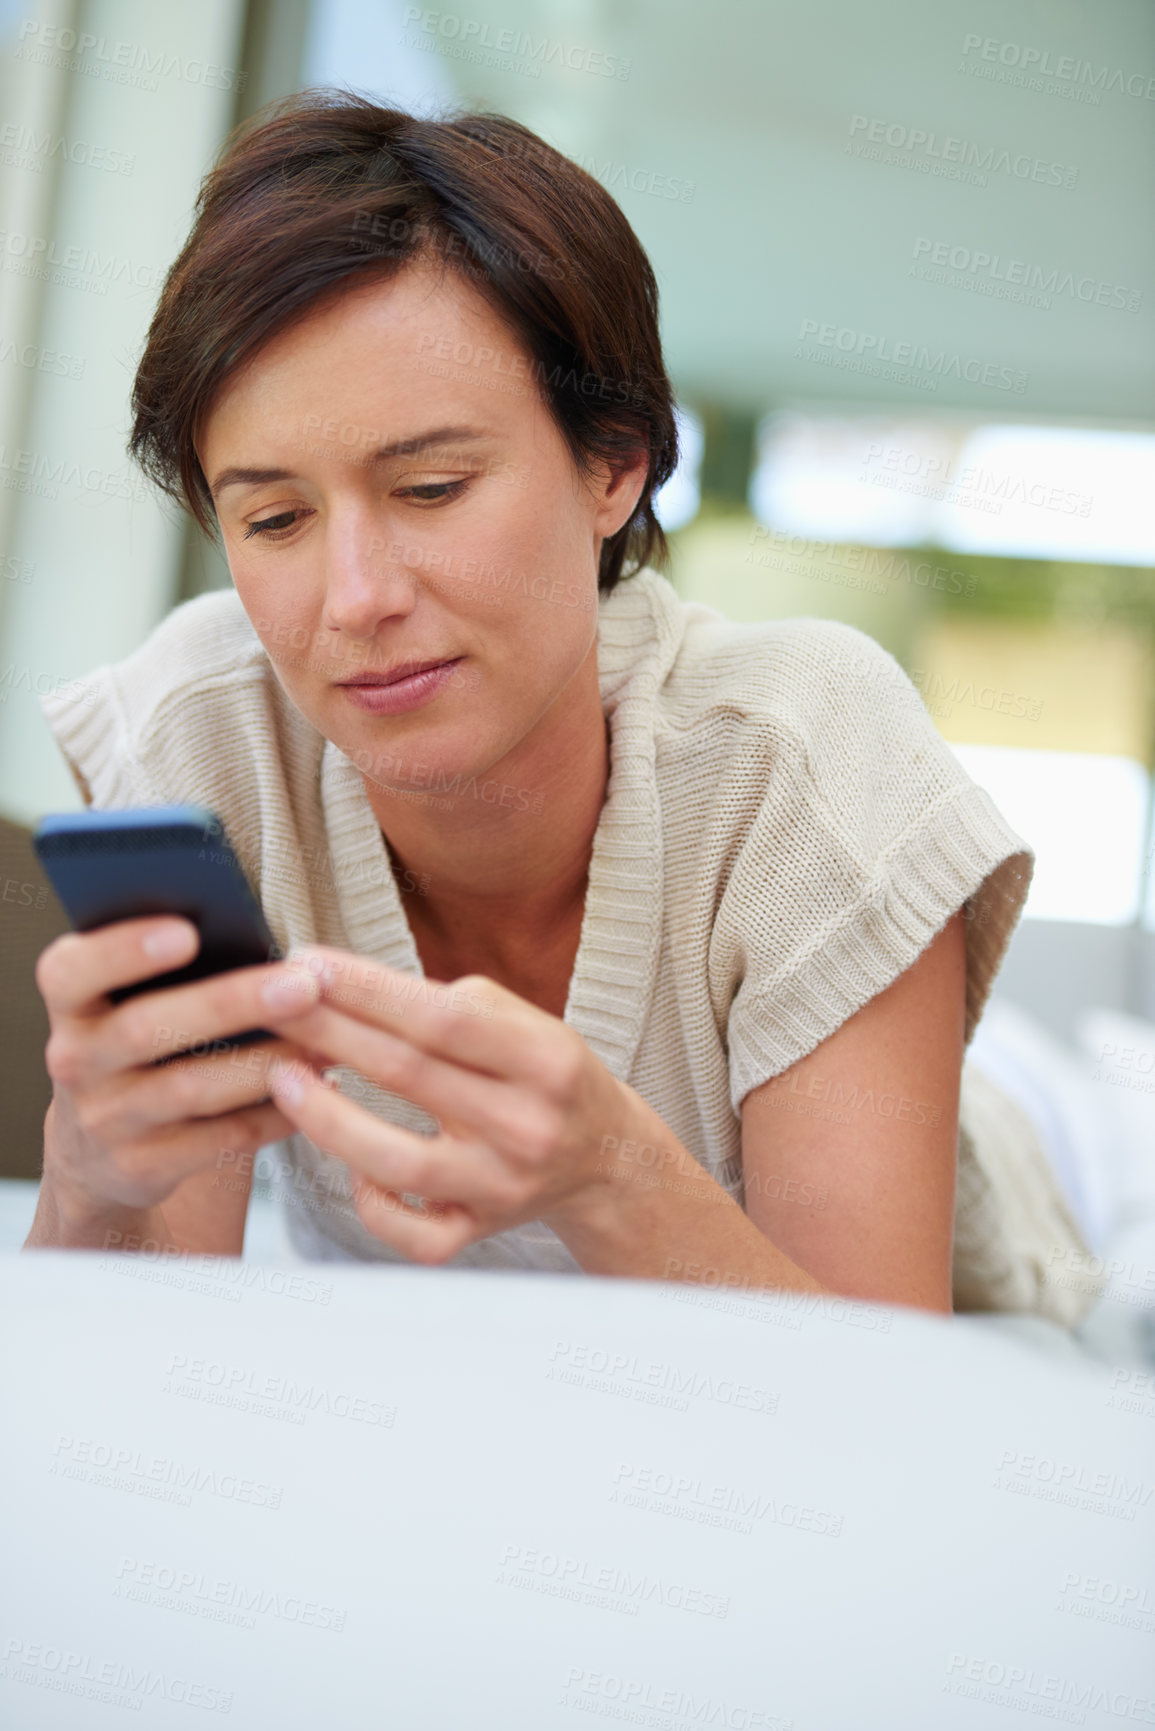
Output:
x=87 y=721
x=167 y=723
x=872 y=835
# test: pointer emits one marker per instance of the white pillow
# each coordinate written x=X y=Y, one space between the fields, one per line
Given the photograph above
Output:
x=1052 y=1082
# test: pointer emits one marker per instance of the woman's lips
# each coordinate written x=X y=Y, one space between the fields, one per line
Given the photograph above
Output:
x=403 y=694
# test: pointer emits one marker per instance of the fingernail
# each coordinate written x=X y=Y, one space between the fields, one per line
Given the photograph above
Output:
x=309 y=961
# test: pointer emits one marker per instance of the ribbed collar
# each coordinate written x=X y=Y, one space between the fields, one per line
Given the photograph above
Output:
x=640 y=626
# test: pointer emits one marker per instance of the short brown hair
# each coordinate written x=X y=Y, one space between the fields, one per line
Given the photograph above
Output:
x=327 y=186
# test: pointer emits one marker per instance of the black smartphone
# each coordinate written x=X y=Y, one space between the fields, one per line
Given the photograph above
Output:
x=165 y=859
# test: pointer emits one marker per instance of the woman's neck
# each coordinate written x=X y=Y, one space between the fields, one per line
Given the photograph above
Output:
x=499 y=885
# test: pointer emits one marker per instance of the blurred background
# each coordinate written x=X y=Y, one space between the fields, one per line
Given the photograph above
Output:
x=905 y=260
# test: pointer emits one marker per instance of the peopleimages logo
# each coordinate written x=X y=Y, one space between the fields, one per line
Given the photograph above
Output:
x=261 y=1392
x=899 y=146
x=115 y=1682
x=881 y=357
x=979 y=488
x=38 y=147
x=1066 y=68
x=688 y=1498
x=1022 y=1687
x=117 y=62
x=1070 y=1482
x=196 y=1593
x=992 y=274
x=158 y=1477
x=72 y=266
x=40 y=360
x=642 y=1378
x=617 y=178
x=609 y=1694
x=608 y=1586
x=476 y=39
x=806 y=558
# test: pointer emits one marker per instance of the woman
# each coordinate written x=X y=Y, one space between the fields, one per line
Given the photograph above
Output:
x=713 y=909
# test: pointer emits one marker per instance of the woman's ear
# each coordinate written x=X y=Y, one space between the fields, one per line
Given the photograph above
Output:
x=618 y=489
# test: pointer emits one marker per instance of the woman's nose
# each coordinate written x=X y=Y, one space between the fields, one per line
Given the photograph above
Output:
x=363 y=585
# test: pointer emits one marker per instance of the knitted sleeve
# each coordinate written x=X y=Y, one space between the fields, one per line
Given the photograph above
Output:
x=874 y=835
x=182 y=720
x=94 y=735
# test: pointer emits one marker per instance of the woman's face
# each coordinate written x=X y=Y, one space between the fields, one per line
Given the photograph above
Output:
x=393 y=493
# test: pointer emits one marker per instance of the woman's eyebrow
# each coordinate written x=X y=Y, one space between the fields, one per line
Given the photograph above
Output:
x=437 y=438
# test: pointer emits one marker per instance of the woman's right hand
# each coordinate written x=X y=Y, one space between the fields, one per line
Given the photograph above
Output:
x=124 y=1131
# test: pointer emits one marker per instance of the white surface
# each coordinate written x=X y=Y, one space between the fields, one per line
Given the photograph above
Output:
x=394 y=1581
x=927 y=1453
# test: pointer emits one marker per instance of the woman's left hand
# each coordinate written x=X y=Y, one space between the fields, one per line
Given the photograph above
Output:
x=525 y=1107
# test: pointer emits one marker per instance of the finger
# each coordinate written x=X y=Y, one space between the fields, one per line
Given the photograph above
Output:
x=393 y=1158
x=469 y=1020
x=75 y=973
x=228 y=1075
x=430 y=1236
x=178 y=1019
x=505 y=1114
x=134 y=1104
x=243 y=1132
x=152 y=1169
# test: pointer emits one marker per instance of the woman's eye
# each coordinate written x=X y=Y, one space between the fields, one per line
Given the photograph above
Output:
x=272 y=526
x=434 y=492
x=426 y=493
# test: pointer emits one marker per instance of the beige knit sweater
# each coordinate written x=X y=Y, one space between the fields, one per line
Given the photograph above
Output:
x=783 y=833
